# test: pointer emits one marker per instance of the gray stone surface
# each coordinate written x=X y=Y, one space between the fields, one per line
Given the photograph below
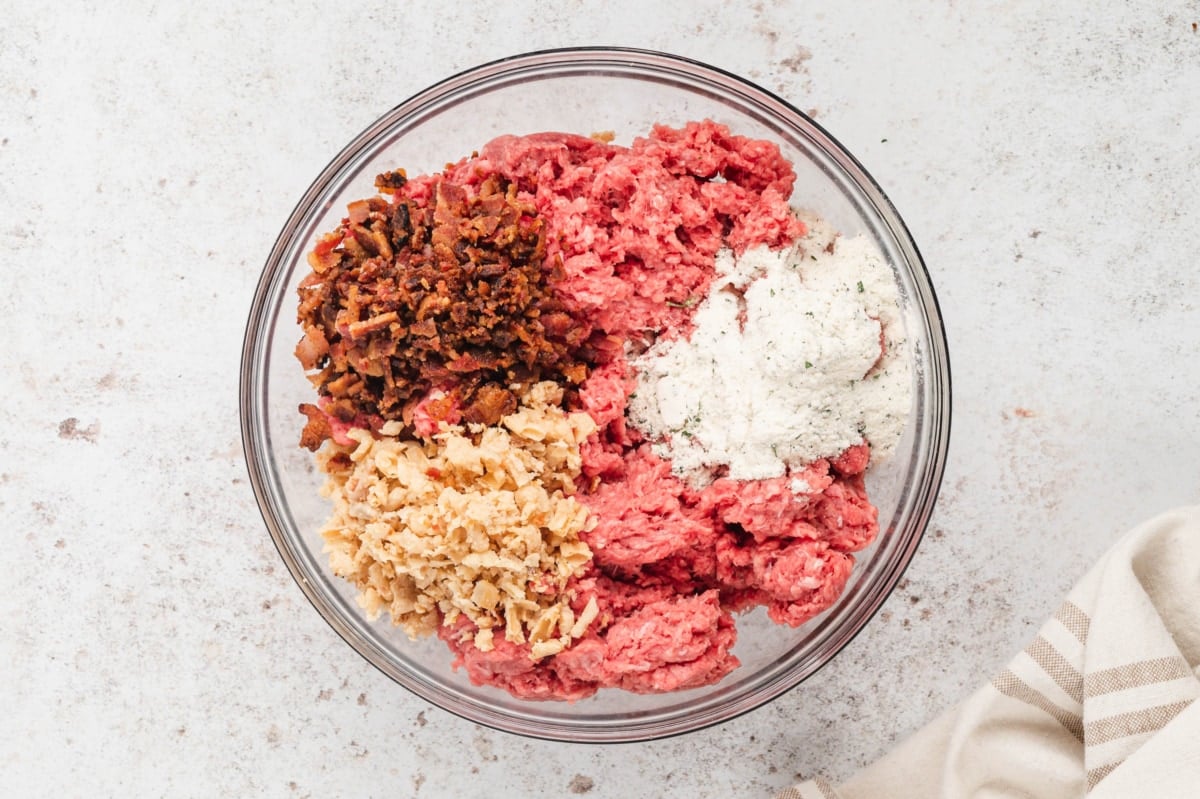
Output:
x=1044 y=155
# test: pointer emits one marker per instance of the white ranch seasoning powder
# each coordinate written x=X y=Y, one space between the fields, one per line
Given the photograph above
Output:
x=796 y=378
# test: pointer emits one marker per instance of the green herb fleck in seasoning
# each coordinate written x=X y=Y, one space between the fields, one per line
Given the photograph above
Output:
x=691 y=421
x=860 y=287
x=687 y=303
x=808 y=364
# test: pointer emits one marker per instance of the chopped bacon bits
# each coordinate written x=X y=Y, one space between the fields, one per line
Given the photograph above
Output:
x=442 y=287
x=316 y=430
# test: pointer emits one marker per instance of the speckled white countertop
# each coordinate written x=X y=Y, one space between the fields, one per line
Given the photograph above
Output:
x=1046 y=157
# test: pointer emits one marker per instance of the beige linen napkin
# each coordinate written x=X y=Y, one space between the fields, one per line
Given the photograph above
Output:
x=1099 y=704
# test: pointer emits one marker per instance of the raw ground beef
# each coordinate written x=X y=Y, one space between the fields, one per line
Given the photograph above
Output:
x=637 y=230
x=628 y=238
x=652 y=640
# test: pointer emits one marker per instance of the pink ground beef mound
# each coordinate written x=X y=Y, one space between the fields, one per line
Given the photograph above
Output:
x=637 y=229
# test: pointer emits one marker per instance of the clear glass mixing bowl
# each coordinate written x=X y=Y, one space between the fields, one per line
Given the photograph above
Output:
x=583 y=91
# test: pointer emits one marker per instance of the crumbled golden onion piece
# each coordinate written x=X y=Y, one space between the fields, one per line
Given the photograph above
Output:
x=479 y=522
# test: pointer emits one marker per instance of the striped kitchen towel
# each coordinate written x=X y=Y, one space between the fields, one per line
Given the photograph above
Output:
x=1101 y=703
